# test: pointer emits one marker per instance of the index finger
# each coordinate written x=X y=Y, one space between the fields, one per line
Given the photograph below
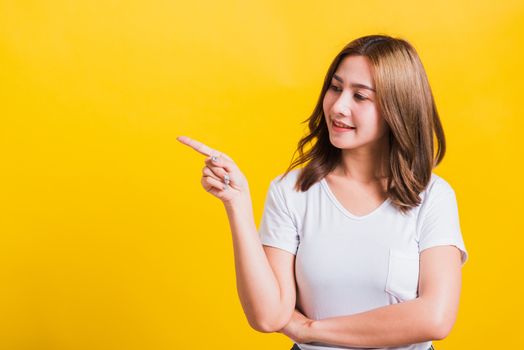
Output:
x=200 y=147
x=197 y=146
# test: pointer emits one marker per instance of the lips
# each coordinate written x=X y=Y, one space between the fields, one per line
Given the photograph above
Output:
x=340 y=124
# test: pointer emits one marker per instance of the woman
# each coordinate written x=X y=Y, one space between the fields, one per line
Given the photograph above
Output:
x=361 y=247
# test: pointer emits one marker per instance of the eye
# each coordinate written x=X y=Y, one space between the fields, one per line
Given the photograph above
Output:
x=333 y=87
x=360 y=97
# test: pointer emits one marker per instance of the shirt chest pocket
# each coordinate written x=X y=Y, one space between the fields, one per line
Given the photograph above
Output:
x=402 y=278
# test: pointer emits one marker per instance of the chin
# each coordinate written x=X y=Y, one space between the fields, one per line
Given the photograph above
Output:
x=343 y=144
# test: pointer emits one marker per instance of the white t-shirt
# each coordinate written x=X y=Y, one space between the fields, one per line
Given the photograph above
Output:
x=346 y=264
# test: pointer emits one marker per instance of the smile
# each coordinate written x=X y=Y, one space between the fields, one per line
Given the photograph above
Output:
x=341 y=127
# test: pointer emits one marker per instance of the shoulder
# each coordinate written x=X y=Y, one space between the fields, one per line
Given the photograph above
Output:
x=438 y=195
x=437 y=184
x=286 y=184
x=284 y=188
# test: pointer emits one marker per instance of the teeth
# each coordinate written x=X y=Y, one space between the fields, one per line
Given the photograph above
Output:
x=342 y=125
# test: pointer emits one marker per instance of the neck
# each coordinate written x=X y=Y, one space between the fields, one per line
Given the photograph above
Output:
x=367 y=164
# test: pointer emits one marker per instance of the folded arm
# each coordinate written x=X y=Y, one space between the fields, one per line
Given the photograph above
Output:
x=429 y=317
x=393 y=325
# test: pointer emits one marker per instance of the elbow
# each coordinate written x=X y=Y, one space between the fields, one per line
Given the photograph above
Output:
x=266 y=326
x=270 y=320
x=441 y=329
x=442 y=321
x=263 y=327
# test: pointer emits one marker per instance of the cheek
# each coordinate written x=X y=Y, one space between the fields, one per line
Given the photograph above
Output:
x=373 y=114
x=327 y=102
x=325 y=106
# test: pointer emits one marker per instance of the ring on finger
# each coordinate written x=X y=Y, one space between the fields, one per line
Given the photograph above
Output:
x=226 y=178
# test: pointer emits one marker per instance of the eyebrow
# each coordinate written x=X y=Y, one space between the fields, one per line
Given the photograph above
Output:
x=358 y=85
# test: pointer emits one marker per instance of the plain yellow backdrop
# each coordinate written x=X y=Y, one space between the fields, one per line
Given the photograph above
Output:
x=107 y=239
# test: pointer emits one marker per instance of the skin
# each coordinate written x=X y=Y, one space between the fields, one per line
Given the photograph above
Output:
x=360 y=186
x=264 y=275
x=367 y=145
x=359 y=183
x=213 y=173
x=428 y=317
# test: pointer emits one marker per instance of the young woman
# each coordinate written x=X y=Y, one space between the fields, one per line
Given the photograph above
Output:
x=361 y=247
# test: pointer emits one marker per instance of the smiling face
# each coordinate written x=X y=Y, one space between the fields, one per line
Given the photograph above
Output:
x=350 y=100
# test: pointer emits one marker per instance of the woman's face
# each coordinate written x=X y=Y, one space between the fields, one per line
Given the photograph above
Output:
x=350 y=100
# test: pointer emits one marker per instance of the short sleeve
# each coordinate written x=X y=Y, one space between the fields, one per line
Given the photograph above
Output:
x=438 y=221
x=277 y=228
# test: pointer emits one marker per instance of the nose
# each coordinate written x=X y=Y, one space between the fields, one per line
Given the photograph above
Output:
x=342 y=105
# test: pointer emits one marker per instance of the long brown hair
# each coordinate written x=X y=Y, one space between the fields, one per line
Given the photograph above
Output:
x=406 y=103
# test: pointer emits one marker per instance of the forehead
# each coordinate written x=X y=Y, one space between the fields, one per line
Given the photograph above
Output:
x=355 y=69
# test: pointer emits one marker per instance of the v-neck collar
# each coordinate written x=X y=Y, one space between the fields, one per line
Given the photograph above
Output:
x=346 y=212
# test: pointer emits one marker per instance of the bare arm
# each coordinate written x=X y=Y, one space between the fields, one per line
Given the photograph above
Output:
x=393 y=325
x=264 y=275
x=430 y=316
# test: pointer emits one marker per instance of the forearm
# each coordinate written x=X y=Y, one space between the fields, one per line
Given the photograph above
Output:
x=257 y=286
x=389 y=326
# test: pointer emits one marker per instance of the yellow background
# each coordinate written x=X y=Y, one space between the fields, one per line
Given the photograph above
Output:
x=107 y=239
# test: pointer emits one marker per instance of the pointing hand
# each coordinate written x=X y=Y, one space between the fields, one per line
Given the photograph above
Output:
x=220 y=176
